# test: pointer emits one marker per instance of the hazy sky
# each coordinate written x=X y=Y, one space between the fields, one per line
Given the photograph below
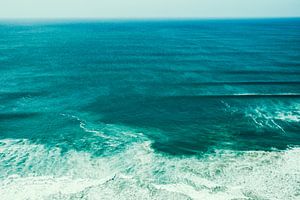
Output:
x=148 y=8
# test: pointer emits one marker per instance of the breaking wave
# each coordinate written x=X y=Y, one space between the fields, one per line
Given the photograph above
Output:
x=33 y=171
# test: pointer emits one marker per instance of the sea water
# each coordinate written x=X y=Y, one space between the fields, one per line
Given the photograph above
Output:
x=178 y=109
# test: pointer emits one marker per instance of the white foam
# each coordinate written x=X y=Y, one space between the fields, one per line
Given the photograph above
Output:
x=275 y=115
x=289 y=116
x=200 y=194
x=40 y=187
x=32 y=171
x=82 y=125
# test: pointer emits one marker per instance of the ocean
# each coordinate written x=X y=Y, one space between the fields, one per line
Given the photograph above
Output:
x=150 y=109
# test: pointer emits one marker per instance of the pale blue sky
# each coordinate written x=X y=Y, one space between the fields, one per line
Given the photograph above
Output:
x=148 y=8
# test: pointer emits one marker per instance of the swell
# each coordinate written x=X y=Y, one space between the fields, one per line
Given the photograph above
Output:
x=178 y=70
x=17 y=115
x=218 y=83
x=10 y=96
x=238 y=95
x=243 y=83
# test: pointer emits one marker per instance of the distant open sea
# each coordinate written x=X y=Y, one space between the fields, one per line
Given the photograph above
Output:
x=141 y=109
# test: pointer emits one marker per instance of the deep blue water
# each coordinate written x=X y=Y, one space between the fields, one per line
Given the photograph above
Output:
x=157 y=109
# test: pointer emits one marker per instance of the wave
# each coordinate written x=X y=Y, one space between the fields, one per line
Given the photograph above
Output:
x=218 y=83
x=288 y=116
x=33 y=171
x=12 y=96
x=265 y=119
x=107 y=138
x=274 y=115
x=179 y=70
x=17 y=115
x=270 y=114
x=241 y=95
x=241 y=83
x=82 y=125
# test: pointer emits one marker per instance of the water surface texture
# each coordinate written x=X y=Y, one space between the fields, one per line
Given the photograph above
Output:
x=199 y=109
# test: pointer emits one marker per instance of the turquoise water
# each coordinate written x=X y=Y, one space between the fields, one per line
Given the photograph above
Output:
x=199 y=109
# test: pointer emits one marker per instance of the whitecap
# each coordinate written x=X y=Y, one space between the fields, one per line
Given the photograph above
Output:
x=34 y=171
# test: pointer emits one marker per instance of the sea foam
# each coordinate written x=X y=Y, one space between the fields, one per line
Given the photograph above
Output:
x=32 y=171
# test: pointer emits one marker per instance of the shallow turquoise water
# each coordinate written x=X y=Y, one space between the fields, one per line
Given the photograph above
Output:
x=150 y=109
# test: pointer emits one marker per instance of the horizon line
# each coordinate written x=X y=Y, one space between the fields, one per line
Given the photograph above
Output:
x=146 y=18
